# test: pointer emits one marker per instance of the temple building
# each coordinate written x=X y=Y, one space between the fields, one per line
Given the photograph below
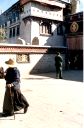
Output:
x=35 y=30
x=10 y=22
x=74 y=39
x=35 y=21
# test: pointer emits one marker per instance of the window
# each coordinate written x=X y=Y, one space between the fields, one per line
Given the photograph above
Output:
x=60 y=29
x=13 y=31
x=45 y=28
x=10 y=34
x=13 y=17
x=10 y=21
x=18 y=30
x=5 y=24
x=17 y=15
x=22 y=58
x=2 y=25
x=35 y=41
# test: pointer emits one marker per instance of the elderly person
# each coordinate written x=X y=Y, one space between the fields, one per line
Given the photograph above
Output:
x=13 y=99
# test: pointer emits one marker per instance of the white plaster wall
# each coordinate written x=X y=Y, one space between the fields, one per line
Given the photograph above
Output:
x=27 y=10
x=22 y=28
x=5 y=57
x=33 y=9
x=39 y=63
x=28 y=31
x=34 y=29
x=25 y=68
x=25 y=31
x=55 y=39
x=46 y=12
x=50 y=40
x=31 y=29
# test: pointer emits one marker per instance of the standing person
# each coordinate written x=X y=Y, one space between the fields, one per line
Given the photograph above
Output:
x=58 y=65
x=13 y=99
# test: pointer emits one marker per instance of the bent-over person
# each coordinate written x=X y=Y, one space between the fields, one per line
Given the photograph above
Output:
x=14 y=100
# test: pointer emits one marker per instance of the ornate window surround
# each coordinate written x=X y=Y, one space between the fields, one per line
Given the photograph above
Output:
x=22 y=58
x=45 y=28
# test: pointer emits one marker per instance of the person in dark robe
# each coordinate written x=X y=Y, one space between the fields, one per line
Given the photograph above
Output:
x=58 y=65
x=14 y=100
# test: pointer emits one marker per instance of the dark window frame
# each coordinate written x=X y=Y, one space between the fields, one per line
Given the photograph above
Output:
x=45 y=28
x=14 y=32
x=17 y=30
x=10 y=33
x=60 y=29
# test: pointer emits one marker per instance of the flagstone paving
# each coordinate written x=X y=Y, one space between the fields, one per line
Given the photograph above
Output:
x=54 y=103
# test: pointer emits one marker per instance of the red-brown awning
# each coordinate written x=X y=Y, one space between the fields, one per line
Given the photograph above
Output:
x=30 y=49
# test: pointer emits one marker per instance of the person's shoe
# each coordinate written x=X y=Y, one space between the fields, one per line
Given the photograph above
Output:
x=61 y=77
x=25 y=109
x=7 y=114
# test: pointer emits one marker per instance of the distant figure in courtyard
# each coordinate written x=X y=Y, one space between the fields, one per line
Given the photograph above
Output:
x=58 y=65
x=13 y=99
x=1 y=72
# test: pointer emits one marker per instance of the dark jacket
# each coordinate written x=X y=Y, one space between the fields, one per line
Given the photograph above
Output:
x=13 y=76
x=58 y=61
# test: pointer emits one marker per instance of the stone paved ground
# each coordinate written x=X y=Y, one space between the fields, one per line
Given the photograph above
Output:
x=54 y=103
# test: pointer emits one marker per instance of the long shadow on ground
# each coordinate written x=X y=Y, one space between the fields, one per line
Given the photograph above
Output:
x=73 y=75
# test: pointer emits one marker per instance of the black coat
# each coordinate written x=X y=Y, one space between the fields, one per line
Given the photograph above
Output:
x=13 y=99
x=58 y=61
x=13 y=76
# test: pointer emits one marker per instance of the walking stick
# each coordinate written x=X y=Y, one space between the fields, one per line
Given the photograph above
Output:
x=12 y=101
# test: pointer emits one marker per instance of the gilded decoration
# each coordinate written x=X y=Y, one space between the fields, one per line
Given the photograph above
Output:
x=74 y=27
